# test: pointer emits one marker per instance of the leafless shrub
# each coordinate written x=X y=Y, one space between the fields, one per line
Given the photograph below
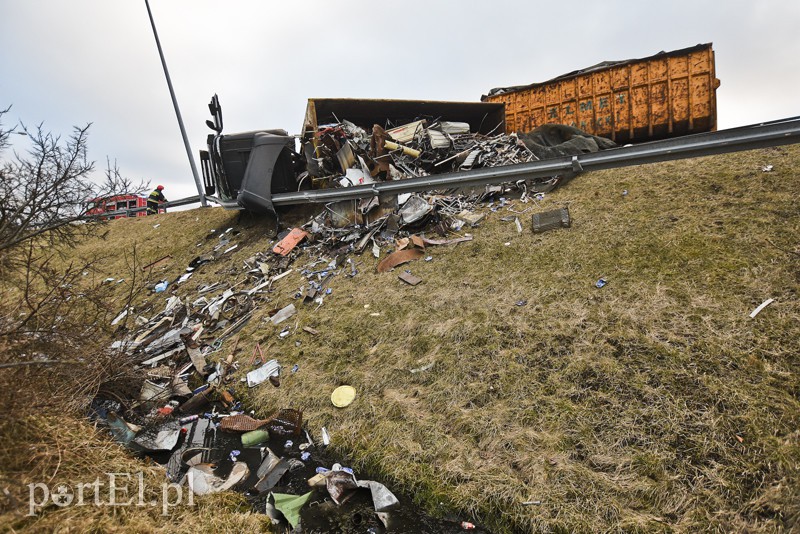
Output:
x=55 y=314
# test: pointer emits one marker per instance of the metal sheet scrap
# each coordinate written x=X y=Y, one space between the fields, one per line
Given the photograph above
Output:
x=398 y=258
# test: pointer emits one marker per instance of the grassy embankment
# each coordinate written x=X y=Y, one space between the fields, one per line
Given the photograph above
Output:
x=654 y=403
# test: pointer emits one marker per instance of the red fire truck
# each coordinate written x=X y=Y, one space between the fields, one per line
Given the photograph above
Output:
x=97 y=206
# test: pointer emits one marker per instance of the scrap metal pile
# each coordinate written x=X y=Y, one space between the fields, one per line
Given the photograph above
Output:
x=187 y=416
x=186 y=413
x=345 y=154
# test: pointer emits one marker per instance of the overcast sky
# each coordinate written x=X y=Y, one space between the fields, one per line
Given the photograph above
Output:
x=68 y=63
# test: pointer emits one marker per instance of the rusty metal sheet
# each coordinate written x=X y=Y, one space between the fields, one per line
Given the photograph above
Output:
x=397 y=258
x=289 y=242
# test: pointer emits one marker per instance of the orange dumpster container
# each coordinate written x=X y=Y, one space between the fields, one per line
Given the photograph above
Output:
x=664 y=95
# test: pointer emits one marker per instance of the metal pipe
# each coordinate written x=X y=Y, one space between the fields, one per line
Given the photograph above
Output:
x=197 y=181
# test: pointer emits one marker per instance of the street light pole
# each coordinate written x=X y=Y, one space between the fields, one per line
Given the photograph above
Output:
x=197 y=181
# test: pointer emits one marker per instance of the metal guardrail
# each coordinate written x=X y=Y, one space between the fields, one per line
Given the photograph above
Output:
x=767 y=134
x=774 y=133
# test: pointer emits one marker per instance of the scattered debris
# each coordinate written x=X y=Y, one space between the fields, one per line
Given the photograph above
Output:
x=203 y=481
x=283 y=314
x=270 y=369
x=163 y=438
x=409 y=278
x=157 y=263
x=186 y=413
x=600 y=283
x=290 y=242
x=447 y=241
x=241 y=423
x=343 y=396
x=549 y=220
x=398 y=258
x=423 y=368
x=761 y=307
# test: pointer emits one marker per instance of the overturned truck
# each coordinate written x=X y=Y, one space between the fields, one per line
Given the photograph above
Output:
x=361 y=144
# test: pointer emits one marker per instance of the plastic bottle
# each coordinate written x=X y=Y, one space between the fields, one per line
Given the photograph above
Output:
x=120 y=429
x=250 y=439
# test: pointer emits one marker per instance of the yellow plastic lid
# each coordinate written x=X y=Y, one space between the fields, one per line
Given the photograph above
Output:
x=343 y=396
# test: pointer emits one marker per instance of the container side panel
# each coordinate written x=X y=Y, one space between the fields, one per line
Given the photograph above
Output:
x=538 y=99
x=553 y=100
x=602 y=82
x=603 y=113
x=569 y=113
x=659 y=108
x=585 y=89
x=553 y=94
x=679 y=67
x=521 y=110
x=586 y=115
x=511 y=113
x=569 y=89
x=701 y=102
x=639 y=74
x=619 y=78
x=640 y=118
x=622 y=117
x=680 y=104
x=658 y=70
x=538 y=118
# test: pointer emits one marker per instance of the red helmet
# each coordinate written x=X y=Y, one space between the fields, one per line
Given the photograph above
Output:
x=160 y=187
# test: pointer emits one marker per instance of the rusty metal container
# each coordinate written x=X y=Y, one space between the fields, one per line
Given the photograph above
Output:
x=664 y=95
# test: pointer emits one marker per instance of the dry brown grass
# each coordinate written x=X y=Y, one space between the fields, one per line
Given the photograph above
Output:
x=652 y=404
x=67 y=450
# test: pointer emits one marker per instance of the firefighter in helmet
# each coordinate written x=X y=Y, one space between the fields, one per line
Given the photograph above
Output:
x=155 y=198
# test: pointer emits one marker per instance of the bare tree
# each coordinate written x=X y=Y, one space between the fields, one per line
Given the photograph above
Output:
x=116 y=183
x=46 y=191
